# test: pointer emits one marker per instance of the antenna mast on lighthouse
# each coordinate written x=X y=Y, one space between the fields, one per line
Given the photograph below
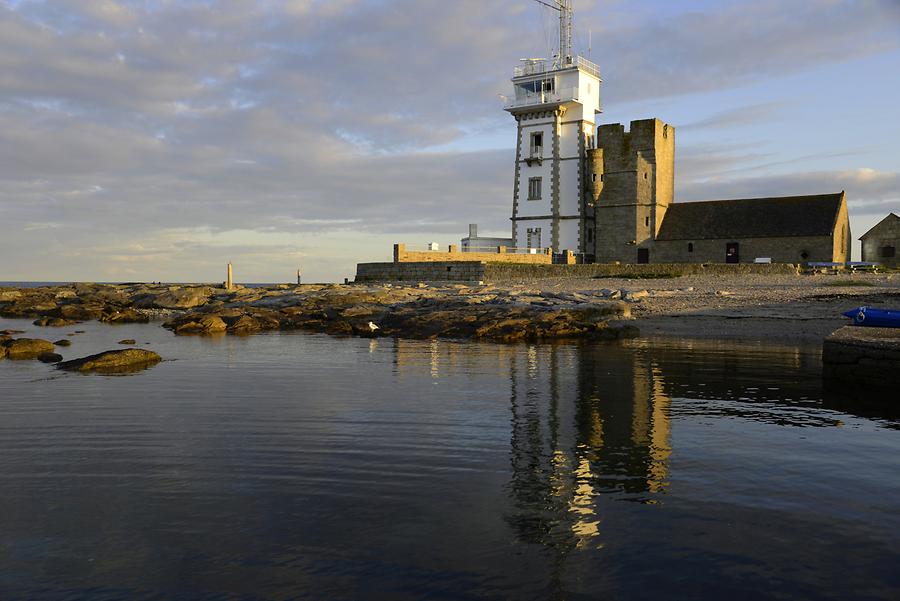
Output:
x=566 y=19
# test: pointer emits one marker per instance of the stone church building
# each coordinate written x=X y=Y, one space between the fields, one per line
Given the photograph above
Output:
x=630 y=191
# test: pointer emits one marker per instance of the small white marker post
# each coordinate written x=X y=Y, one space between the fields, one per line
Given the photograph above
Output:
x=298 y=276
x=229 y=282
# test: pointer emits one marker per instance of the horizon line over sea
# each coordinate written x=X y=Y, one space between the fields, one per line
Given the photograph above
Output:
x=36 y=284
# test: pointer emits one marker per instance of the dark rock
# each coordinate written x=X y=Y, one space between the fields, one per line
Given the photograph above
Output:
x=179 y=298
x=245 y=325
x=127 y=341
x=63 y=342
x=124 y=316
x=81 y=312
x=112 y=362
x=267 y=321
x=27 y=348
x=198 y=324
x=11 y=332
x=53 y=322
x=340 y=327
x=49 y=358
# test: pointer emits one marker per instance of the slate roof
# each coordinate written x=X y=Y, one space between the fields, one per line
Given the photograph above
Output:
x=752 y=218
x=874 y=229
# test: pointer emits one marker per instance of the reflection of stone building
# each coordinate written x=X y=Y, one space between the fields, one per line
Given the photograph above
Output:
x=591 y=424
x=598 y=427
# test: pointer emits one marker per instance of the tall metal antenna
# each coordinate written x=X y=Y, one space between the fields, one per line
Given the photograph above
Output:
x=566 y=20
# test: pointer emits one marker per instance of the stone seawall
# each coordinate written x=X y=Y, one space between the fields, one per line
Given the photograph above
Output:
x=495 y=272
x=862 y=356
x=446 y=271
x=466 y=271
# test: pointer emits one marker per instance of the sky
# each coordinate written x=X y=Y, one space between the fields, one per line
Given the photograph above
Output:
x=156 y=140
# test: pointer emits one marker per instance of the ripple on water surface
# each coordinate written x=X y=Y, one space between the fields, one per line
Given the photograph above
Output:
x=303 y=466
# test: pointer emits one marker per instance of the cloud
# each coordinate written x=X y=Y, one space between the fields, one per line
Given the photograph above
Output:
x=869 y=191
x=658 y=55
x=744 y=115
x=196 y=130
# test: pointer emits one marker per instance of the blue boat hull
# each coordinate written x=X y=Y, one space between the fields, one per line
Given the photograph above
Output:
x=874 y=318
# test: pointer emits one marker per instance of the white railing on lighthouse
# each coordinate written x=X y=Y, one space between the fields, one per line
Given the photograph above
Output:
x=533 y=98
x=536 y=67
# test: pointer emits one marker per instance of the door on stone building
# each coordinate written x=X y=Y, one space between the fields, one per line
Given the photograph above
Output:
x=534 y=238
x=731 y=253
x=643 y=255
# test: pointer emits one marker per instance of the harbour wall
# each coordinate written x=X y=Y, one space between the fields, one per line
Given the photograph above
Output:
x=474 y=271
x=862 y=356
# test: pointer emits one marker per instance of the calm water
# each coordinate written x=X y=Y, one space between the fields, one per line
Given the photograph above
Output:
x=301 y=466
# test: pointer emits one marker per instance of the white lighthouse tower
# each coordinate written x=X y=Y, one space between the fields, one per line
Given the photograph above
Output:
x=555 y=105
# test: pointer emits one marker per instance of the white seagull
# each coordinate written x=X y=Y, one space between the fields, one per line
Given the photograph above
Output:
x=373 y=327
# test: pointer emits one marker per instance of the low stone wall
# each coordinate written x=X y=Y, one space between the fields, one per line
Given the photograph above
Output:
x=427 y=271
x=401 y=255
x=498 y=272
x=862 y=356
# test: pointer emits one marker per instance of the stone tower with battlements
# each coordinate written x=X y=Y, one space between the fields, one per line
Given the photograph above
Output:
x=630 y=185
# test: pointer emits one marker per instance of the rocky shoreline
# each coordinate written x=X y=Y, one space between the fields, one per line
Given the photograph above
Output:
x=417 y=312
x=787 y=307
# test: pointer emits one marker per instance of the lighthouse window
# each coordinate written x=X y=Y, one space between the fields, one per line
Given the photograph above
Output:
x=537 y=142
x=534 y=188
x=541 y=85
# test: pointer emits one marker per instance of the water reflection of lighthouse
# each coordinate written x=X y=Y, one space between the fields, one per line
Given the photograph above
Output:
x=585 y=422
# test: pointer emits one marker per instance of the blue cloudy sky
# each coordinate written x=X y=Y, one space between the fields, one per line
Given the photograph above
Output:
x=158 y=139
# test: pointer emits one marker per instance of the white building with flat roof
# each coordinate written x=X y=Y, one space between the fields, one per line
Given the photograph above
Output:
x=555 y=105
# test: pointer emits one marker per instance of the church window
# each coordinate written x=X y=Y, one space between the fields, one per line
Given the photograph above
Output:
x=645 y=176
x=602 y=177
x=647 y=221
x=534 y=188
x=888 y=252
x=593 y=177
x=690 y=247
